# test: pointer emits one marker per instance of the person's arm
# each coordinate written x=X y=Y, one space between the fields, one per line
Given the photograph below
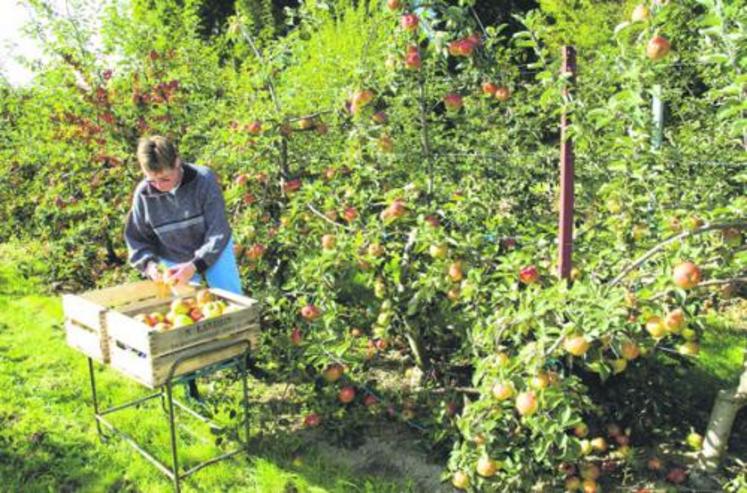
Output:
x=141 y=241
x=218 y=231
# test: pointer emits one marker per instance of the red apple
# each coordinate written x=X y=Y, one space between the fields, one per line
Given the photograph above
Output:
x=329 y=242
x=370 y=400
x=256 y=251
x=310 y=312
x=677 y=475
x=409 y=22
x=311 y=420
x=502 y=94
x=581 y=430
x=395 y=210
x=362 y=97
x=333 y=372
x=453 y=101
x=195 y=314
x=296 y=336
x=657 y=48
x=433 y=221
x=526 y=403
x=455 y=271
x=576 y=345
x=529 y=274
x=412 y=58
x=461 y=47
x=488 y=88
x=686 y=275
x=394 y=4
x=486 y=467
x=350 y=214
x=379 y=117
x=675 y=320
x=630 y=350
x=254 y=127
x=503 y=390
x=656 y=327
x=346 y=394
x=460 y=480
x=292 y=185
x=381 y=344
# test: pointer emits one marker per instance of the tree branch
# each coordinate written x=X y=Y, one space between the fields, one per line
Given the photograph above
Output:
x=312 y=209
x=740 y=224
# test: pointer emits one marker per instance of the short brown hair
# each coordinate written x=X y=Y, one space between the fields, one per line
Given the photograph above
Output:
x=156 y=153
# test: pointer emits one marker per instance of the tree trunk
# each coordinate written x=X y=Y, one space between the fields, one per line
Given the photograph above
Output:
x=727 y=405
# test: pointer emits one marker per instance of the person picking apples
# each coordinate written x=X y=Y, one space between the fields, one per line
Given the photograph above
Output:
x=178 y=219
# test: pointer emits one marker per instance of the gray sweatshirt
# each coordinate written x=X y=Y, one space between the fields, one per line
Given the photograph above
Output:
x=187 y=225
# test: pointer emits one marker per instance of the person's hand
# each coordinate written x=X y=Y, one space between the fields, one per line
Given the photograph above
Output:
x=151 y=270
x=180 y=274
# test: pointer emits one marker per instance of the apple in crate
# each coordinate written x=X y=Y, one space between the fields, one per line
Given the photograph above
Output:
x=143 y=318
x=182 y=321
x=196 y=314
x=213 y=309
x=179 y=307
x=204 y=297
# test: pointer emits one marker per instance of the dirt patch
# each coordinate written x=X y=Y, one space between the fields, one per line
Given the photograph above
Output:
x=388 y=453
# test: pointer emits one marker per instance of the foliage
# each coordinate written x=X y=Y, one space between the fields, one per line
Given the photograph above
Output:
x=386 y=200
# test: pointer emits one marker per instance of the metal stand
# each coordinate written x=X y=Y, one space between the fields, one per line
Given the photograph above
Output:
x=168 y=402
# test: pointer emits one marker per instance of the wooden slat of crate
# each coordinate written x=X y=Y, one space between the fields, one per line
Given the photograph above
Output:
x=154 y=372
x=162 y=365
x=83 y=311
x=127 y=330
x=167 y=342
x=85 y=340
x=125 y=294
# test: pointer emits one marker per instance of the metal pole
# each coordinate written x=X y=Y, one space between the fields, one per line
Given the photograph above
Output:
x=95 y=399
x=657 y=108
x=565 y=229
x=172 y=430
x=246 y=398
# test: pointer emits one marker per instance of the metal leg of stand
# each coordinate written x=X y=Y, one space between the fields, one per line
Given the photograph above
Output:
x=246 y=399
x=95 y=399
x=172 y=430
x=168 y=402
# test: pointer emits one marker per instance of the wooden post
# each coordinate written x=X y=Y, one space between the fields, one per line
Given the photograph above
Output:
x=565 y=229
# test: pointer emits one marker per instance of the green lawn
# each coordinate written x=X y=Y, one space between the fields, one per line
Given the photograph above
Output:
x=48 y=440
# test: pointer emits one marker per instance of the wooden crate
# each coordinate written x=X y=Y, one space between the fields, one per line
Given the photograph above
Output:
x=101 y=325
x=148 y=355
x=85 y=324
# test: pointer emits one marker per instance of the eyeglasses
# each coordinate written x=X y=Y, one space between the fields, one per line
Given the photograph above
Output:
x=163 y=180
x=159 y=181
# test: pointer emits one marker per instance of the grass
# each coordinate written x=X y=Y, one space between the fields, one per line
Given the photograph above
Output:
x=48 y=440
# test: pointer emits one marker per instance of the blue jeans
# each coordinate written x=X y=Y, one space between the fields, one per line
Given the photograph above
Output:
x=223 y=274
